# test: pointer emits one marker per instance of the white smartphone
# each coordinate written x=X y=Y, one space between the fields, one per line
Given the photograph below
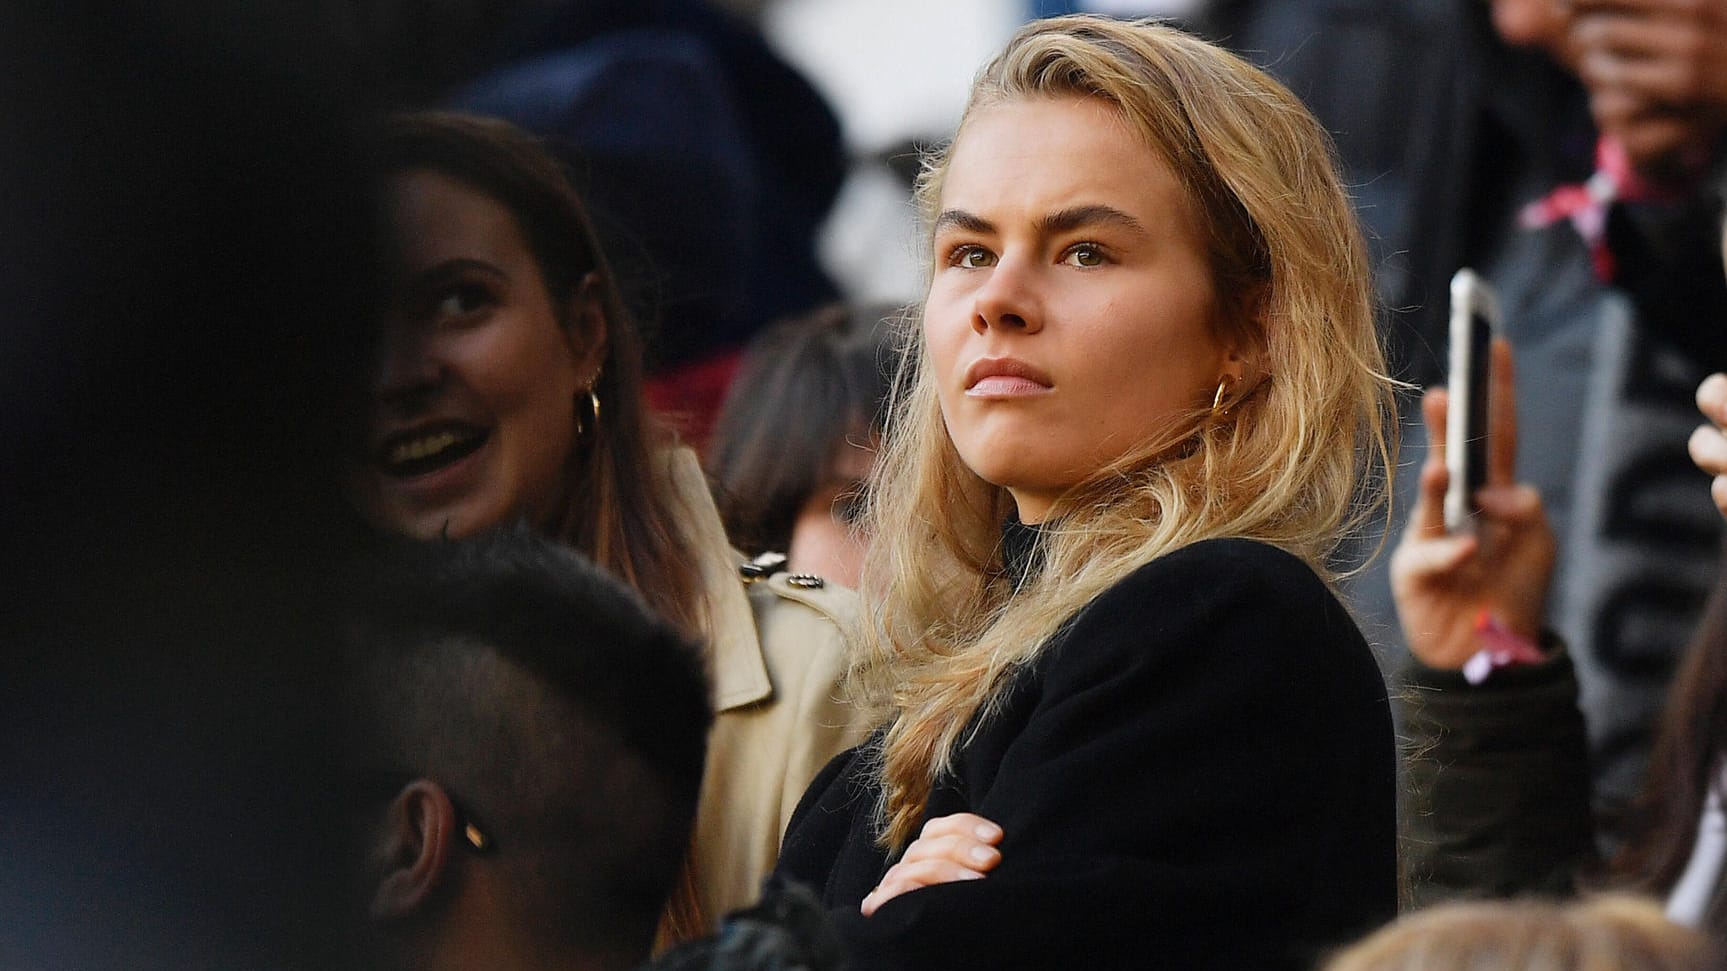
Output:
x=1475 y=321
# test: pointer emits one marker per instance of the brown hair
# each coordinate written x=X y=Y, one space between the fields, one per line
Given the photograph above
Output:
x=808 y=387
x=1662 y=828
x=621 y=511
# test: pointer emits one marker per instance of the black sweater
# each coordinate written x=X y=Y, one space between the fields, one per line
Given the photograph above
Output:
x=1198 y=772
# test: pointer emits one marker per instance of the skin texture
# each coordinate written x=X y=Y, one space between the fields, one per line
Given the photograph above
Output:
x=825 y=540
x=473 y=344
x=1441 y=582
x=1065 y=246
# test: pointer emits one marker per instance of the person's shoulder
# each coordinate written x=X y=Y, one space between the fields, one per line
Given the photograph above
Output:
x=1227 y=569
x=1224 y=599
x=803 y=621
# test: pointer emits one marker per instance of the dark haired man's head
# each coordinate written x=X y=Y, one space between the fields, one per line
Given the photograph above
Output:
x=528 y=745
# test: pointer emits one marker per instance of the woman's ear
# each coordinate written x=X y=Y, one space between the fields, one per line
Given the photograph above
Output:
x=413 y=849
x=1246 y=358
x=585 y=323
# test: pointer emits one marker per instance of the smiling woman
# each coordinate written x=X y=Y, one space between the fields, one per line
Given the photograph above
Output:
x=508 y=387
x=1127 y=714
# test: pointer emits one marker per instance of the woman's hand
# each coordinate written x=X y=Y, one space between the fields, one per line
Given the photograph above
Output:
x=1441 y=582
x=1708 y=445
x=957 y=847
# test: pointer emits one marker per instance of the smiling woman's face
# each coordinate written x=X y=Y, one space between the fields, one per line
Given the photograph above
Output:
x=1070 y=317
x=473 y=405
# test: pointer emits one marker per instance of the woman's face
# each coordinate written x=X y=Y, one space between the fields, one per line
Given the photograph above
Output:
x=825 y=536
x=1070 y=316
x=473 y=405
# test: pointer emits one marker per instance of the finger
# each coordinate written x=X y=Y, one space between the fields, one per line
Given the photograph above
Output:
x=1514 y=504
x=1501 y=416
x=1718 y=492
x=904 y=878
x=1427 y=519
x=1686 y=8
x=1708 y=448
x=961 y=848
x=968 y=824
x=1712 y=398
x=1434 y=405
x=1660 y=81
x=1431 y=559
x=1628 y=34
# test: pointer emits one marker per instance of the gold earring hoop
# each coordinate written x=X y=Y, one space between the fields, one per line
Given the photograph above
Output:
x=1217 y=399
x=593 y=409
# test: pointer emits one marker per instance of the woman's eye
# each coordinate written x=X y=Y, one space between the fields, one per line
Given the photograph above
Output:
x=461 y=300
x=970 y=257
x=1083 y=255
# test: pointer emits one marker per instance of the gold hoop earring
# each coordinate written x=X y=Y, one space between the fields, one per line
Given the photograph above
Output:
x=593 y=409
x=1217 y=399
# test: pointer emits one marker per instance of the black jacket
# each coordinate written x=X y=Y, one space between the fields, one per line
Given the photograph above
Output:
x=1199 y=772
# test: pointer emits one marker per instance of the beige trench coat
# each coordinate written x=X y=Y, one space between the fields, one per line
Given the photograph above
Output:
x=778 y=653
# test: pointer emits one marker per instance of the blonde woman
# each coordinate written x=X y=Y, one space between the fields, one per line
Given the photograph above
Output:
x=1147 y=399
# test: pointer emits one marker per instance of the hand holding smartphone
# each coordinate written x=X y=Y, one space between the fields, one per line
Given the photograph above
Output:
x=1475 y=322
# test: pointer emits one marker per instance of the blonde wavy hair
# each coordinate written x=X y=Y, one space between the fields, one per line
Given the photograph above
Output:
x=1294 y=462
x=1608 y=933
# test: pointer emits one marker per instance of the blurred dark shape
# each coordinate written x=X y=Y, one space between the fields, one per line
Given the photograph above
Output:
x=185 y=281
x=788 y=930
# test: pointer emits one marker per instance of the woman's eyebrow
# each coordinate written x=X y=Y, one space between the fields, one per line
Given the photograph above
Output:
x=960 y=219
x=1060 y=221
x=1076 y=217
x=452 y=268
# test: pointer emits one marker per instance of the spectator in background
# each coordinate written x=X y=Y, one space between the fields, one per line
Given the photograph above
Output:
x=709 y=163
x=1616 y=933
x=526 y=745
x=1499 y=765
x=508 y=388
x=1451 y=117
x=798 y=436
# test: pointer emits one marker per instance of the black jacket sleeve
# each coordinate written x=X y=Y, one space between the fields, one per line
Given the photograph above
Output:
x=1498 y=783
x=1205 y=780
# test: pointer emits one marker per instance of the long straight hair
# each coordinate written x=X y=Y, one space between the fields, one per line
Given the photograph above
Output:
x=1662 y=829
x=1294 y=463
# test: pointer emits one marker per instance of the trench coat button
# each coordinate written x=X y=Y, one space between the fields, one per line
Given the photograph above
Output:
x=806 y=581
x=762 y=567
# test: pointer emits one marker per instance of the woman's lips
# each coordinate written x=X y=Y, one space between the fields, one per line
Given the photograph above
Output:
x=1005 y=386
x=1005 y=377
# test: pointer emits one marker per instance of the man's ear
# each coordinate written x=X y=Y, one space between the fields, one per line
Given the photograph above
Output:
x=585 y=324
x=414 y=848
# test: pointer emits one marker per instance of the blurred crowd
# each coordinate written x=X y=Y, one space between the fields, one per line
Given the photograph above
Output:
x=440 y=443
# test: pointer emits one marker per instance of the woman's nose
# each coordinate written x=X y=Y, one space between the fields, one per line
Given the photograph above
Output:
x=1008 y=300
x=407 y=366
